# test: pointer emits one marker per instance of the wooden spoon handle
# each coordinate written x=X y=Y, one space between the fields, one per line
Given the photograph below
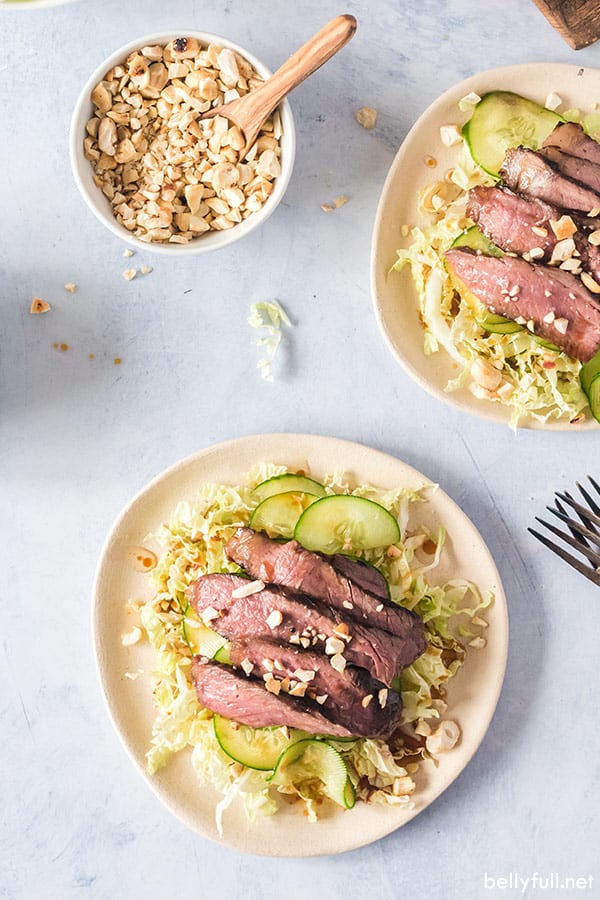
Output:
x=261 y=102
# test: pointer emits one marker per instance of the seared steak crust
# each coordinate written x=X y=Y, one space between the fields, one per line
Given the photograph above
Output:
x=231 y=694
x=349 y=697
x=527 y=172
x=517 y=224
x=303 y=622
x=551 y=302
x=304 y=572
x=571 y=138
x=581 y=170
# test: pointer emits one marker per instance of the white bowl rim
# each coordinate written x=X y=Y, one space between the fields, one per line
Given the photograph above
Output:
x=211 y=241
x=32 y=4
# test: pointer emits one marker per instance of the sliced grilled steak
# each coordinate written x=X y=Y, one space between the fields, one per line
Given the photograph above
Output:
x=303 y=622
x=245 y=700
x=517 y=224
x=529 y=173
x=341 y=694
x=366 y=577
x=581 y=170
x=293 y=567
x=570 y=137
x=546 y=299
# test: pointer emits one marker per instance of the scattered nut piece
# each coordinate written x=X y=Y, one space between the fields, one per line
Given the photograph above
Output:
x=129 y=274
x=590 y=284
x=366 y=700
x=340 y=201
x=127 y=253
x=450 y=135
x=553 y=101
x=443 y=738
x=334 y=645
x=403 y=786
x=131 y=637
x=274 y=618
x=338 y=662
x=561 y=325
x=382 y=697
x=366 y=117
x=470 y=99
x=247 y=666
x=327 y=207
x=145 y=270
x=564 y=227
x=70 y=287
x=39 y=306
x=252 y=587
x=478 y=642
x=485 y=374
x=209 y=614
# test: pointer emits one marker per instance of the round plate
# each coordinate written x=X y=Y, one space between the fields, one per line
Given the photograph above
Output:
x=394 y=294
x=474 y=691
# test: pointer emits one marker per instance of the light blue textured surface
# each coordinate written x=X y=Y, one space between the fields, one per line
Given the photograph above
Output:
x=79 y=437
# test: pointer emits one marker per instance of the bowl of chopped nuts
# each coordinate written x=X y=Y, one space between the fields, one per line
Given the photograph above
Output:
x=156 y=173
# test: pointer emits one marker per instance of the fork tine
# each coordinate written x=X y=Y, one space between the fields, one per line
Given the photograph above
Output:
x=594 y=484
x=579 y=509
x=591 y=503
x=586 y=551
x=578 y=537
x=568 y=558
x=592 y=536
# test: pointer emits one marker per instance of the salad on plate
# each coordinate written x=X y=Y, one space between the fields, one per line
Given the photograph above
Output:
x=302 y=645
x=507 y=268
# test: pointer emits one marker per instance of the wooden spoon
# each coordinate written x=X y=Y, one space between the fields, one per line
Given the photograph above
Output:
x=250 y=112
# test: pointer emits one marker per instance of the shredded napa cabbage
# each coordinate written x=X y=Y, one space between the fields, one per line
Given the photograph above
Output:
x=193 y=541
x=268 y=317
x=537 y=382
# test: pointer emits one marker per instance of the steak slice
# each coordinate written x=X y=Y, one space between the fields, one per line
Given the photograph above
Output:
x=581 y=170
x=527 y=172
x=341 y=694
x=544 y=298
x=365 y=576
x=245 y=700
x=509 y=221
x=302 y=622
x=570 y=137
x=304 y=572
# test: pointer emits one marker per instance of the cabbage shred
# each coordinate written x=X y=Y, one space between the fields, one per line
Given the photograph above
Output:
x=193 y=542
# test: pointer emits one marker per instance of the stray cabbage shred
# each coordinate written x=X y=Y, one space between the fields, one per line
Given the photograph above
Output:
x=268 y=317
x=537 y=382
x=193 y=542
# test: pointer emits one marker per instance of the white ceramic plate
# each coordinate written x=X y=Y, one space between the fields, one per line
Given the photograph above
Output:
x=474 y=691
x=394 y=295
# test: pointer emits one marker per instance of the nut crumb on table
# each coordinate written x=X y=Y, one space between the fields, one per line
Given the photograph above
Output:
x=39 y=306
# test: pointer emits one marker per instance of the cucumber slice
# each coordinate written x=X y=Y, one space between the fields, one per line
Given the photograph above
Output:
x=312 y=759
x=593 y=396
x=498 y=324
x=201 y=640
x=475 y=239
x=502 y=120
x=343 y=524
x=281 y=484
x=256 y=748
x=588 y=372
x=278 y=514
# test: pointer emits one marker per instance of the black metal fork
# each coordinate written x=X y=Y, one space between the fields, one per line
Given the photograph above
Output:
x=583 y=536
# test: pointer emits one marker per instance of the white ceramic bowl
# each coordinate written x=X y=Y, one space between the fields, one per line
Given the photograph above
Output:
x=99 y=204
x=31 y=4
